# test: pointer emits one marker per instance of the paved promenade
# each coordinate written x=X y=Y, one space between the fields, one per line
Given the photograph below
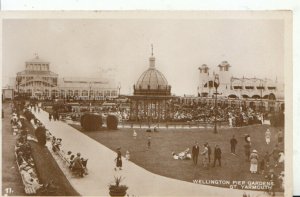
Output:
x=101 y=170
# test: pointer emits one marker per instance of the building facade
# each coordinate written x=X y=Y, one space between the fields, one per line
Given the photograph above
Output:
x=254 y=92
x=39 y=82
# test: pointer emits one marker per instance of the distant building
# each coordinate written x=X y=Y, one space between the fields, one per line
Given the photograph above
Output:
x=38 y=81
x=253 y=92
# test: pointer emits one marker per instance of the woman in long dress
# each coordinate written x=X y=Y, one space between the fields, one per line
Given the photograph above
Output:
x=118 y=159
x=253 y=161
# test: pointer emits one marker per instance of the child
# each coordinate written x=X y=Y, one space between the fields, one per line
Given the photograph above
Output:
x=134 y=134
x=268 y=136
x=149 y=142
x=127 y=156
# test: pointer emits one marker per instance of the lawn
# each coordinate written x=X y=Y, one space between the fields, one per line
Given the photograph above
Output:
x=159 y=159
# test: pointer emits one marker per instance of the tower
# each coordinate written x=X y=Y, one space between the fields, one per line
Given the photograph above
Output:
x=203 y=79
x=224 y=76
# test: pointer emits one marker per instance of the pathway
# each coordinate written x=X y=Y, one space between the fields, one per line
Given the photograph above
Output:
x=140 y=181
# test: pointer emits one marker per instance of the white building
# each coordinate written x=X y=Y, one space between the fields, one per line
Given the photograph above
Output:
x=38 y=81
x=251 y=91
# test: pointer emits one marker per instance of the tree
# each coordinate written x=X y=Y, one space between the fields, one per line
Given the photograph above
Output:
x=40 y=134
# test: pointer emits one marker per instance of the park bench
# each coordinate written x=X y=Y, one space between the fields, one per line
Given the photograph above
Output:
x=62 y=155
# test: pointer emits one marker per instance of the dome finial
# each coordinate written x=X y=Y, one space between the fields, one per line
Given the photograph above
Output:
x=152 y=50
x=152 y=59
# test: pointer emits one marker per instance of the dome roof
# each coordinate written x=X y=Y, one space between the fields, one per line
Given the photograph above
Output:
x=152 y=78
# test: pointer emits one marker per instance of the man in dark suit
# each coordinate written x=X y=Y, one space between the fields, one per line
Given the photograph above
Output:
x=233 y=143
x=195 y=153
x=217 y=155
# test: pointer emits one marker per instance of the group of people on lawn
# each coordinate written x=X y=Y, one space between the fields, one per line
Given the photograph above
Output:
x=206 y=152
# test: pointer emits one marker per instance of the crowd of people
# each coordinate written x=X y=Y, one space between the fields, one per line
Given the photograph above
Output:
x=23 y=154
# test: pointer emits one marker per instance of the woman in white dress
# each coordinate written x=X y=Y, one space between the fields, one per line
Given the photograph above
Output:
x=253 y=161
x=268 y=136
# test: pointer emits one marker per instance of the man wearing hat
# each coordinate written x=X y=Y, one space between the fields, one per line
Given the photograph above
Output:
x=253 y=161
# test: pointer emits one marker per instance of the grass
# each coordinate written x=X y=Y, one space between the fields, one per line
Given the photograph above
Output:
x=159 y=159
x=45 y=164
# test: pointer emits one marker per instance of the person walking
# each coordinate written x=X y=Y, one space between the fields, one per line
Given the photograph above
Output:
x=205 y=158
x=253 y=161
x=247 y=151
x=149 y=142
x=268 y=136
x=195 y=153
x=118 y=159
x=217 y=155
x=233 y=143
x=50 y=116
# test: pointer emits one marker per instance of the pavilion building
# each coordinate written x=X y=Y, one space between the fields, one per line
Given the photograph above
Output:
x=38 y=81
x=151 y=100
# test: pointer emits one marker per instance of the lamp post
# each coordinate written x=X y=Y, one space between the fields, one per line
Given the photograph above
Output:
x=216 y=84
x=261 y=87
x=119 y=89
x=90 y=86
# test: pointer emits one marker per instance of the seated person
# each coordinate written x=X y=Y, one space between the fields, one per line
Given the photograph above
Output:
x=182 y=155
x=77 y=165
x=56 y=145
x=71 y=161
x=20 y=158
x=29 y=180
x=68 y=156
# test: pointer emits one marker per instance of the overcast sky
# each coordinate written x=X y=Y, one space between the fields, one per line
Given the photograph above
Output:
x=87 y=47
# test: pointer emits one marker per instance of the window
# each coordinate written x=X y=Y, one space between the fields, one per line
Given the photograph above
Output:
x=249 y=87
x=70 y=92
x=84 y=93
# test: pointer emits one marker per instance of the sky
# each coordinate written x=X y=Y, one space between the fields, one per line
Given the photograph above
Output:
x=120 y=48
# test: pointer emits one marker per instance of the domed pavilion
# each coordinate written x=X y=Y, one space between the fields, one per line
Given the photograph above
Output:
x=151 y=97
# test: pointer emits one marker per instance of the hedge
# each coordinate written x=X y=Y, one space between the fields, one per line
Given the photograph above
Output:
x=112 y=122
x=91 y=122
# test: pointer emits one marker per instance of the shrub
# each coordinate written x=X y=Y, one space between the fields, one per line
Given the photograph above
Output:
x=40 y=134
x=112 y=122
x=91 y=122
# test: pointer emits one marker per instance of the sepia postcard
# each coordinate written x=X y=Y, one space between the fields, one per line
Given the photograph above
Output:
x=147 y=103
